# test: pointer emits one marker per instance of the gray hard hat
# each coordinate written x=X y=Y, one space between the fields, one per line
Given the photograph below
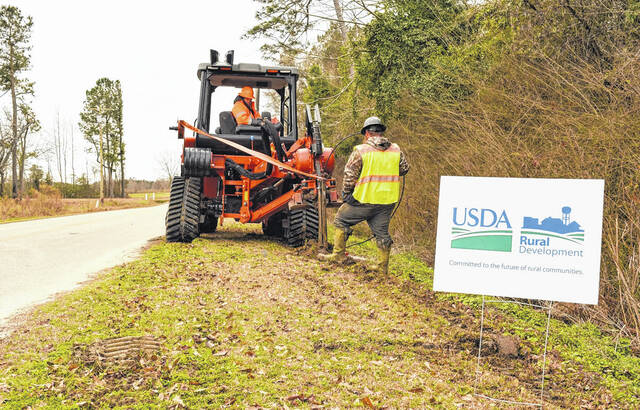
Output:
x=372 y=121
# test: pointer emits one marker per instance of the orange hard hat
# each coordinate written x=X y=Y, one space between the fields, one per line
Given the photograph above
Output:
x=246 y=92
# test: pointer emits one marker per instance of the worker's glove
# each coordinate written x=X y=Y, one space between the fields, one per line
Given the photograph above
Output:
x=269 y=128
x=256 y=122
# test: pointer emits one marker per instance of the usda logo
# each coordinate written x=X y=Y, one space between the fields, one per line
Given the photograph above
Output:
x=481 y=229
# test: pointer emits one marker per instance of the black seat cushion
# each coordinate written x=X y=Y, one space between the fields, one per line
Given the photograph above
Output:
x=248 y=130
x=227 y=123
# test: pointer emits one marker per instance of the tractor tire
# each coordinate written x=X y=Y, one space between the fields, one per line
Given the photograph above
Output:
x=273 y=226
x=183 y=214
x=303 y=226
x=209 y=225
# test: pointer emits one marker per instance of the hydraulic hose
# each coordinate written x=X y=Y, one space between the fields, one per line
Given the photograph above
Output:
x=267 y=151
x=228 y=162
x=272 y=131
x=340 y=142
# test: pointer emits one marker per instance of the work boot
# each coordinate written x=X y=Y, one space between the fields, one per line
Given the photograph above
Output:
x=339 y=247
x=382 y=264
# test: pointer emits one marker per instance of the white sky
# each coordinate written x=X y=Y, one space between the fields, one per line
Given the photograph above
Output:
x=152 y=47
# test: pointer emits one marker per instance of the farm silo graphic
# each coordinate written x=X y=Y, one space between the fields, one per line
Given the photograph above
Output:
x=563 y=227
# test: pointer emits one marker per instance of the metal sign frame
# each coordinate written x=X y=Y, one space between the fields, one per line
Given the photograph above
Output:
x=544 y=355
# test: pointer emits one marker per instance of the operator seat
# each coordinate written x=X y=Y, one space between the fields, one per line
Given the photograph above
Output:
x=227 y=123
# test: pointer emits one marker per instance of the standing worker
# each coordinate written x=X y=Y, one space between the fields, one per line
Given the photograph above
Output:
x=370 y=191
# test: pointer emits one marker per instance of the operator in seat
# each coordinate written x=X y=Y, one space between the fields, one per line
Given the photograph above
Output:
x=244 y=108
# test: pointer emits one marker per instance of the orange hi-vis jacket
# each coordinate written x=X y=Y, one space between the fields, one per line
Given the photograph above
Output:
x=244 y=114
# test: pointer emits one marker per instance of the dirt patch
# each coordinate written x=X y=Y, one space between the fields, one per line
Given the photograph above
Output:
x=492 y=344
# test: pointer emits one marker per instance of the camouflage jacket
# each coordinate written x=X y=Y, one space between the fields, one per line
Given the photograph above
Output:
x=354 y=164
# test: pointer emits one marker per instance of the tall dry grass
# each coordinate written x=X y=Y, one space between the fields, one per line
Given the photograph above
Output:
x=49 y=202
x=534 y=117
x=46 y=202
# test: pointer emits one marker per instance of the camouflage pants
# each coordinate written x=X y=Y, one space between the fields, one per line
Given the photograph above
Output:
x=377 y=217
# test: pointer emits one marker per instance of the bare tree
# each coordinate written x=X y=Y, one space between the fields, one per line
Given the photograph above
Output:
x=73 y=167
x=60 y=147
x=168 y=162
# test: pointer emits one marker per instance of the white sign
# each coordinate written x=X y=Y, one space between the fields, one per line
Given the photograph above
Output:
x=519 y=237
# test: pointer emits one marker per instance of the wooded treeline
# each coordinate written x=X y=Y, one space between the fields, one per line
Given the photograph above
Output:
x=20 y=151
x=531 y=88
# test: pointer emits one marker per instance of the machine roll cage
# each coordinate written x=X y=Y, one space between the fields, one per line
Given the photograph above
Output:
x=257 y=77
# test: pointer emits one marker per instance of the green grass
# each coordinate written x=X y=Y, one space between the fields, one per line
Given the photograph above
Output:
x=580 y=346
x=246 y=321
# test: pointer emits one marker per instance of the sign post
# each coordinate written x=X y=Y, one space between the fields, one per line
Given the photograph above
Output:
x=524 y=238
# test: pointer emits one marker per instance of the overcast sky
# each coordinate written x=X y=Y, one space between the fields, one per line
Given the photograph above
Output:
x=152 y=47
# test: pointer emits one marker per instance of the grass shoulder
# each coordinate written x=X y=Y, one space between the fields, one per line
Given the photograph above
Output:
x=243 y=321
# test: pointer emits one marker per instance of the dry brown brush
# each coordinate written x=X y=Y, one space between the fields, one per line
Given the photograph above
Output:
x=534 y=117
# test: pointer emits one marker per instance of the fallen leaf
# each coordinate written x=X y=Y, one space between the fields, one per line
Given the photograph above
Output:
x=367 y=402
x=221 y=353
x=295 y=397
x=417 y=390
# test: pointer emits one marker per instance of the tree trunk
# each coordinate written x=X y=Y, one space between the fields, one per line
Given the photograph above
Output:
x=23 y=158
x=1 y=184
x=343 y=30
x=14 y=142
x=121 y=168
x=340 y=17
x=109 y=162
x=73 y=167
x=109 y=181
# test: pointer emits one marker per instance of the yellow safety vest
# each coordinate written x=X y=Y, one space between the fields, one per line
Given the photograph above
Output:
x=379 y=181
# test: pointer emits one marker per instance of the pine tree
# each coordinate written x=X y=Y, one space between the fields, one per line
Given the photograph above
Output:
x=15 y=35
x=102 y=115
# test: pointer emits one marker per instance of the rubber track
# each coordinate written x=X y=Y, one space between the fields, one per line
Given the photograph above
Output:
x=183 y=214
x=303 y=226
x=210 y=225
x=274 y=227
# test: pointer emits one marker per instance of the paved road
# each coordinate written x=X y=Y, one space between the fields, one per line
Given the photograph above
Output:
x=42 y=257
